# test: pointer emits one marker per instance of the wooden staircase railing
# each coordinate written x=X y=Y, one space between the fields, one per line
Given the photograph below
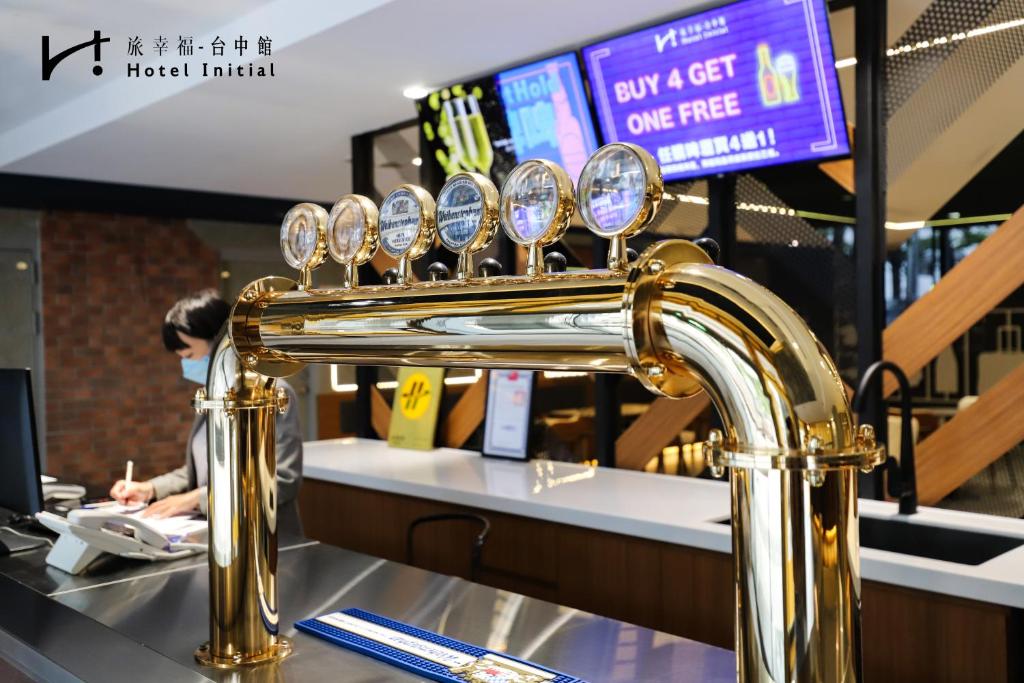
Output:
x=972 y=440
x=960 y=299
x=981 y=434
x=659 y=425
x=466 y=415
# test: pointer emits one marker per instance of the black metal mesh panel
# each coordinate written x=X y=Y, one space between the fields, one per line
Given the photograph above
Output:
x=904 y=72
x=681 y=215
x=768 y=220
x=928 y=88
x=800 y=263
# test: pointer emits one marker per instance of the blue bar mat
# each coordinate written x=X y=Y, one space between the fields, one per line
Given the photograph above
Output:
x=417 y=665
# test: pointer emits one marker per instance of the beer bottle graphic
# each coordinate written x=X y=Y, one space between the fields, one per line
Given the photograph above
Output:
x=767 y=78
x=571 y=145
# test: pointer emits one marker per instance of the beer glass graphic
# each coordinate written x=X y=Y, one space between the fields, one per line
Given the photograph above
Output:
x=467 y=140
x=785 y=68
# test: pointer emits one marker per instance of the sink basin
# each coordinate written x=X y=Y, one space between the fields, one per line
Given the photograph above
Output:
x=937 y=543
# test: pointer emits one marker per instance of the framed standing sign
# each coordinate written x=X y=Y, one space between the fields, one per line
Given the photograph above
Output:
x=507 y=421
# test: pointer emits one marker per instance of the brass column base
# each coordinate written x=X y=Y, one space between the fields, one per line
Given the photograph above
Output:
x=278 y=651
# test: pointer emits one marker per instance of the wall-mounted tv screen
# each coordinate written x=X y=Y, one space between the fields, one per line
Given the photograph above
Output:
x=488 y=125
x=745 y=85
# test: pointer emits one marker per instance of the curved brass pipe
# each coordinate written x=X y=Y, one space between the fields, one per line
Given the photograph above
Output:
x=771 y=380
x=790 y=438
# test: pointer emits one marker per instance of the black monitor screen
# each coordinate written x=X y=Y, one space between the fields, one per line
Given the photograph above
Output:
x=20 y=490
x=741 y=86
x=488 y=125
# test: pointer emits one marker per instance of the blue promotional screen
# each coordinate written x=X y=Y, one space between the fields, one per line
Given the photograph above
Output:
x=742 y=86
x=488 y=125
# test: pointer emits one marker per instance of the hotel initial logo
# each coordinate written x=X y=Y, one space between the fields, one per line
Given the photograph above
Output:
x=206 y=57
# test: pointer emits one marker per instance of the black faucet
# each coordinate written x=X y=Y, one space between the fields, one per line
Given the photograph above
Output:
x=902 y=479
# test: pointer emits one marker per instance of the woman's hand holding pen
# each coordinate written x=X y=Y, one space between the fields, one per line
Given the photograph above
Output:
x=132 y=492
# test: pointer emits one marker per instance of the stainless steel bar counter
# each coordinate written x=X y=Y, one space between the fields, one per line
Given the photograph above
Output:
x=134 y=621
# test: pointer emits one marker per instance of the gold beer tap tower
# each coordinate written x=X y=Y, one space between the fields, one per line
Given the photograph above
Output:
x=671 y=318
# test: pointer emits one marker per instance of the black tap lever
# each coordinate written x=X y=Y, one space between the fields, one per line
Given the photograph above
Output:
x=489 y=267
x=554 y=262
x=902 y=479
x=710 y=248
x=437 y=272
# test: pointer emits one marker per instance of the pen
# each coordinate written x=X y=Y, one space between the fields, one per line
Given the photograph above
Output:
x=128 y=472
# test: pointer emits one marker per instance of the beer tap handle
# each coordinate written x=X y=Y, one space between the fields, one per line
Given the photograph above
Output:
x=619 y=194
x=304 y=240
x=467 y=218
x=536 y=205
x=352 y=236
x=407 y=227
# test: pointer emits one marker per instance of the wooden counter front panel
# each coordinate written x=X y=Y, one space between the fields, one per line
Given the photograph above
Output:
x=909 y=635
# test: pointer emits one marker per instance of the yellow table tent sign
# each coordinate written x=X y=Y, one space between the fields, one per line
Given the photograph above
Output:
x=415 y=407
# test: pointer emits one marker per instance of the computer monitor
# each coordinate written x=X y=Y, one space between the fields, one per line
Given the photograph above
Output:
x=20 y=488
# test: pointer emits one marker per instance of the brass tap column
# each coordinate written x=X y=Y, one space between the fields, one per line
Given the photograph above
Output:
x=671 y=318
x=678 y=324
x=242 y=494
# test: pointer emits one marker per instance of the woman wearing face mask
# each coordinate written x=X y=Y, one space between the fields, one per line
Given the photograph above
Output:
x=192 y=329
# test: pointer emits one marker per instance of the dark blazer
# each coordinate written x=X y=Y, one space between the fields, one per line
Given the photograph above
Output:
x=289 y=467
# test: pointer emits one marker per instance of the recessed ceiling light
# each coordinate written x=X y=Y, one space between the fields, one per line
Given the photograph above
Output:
x=415 y=92
x=416 y=161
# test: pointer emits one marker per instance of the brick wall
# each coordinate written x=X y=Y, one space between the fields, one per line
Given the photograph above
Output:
x=113 y=393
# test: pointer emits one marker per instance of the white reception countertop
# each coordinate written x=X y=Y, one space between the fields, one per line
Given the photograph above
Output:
x=658 y=507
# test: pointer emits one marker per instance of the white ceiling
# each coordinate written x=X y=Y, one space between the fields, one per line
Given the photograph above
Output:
x=341 y=68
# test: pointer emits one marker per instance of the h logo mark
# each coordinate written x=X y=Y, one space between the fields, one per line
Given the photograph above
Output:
x=50 y=63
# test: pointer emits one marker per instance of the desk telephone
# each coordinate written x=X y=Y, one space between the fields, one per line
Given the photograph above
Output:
x=88 y=532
